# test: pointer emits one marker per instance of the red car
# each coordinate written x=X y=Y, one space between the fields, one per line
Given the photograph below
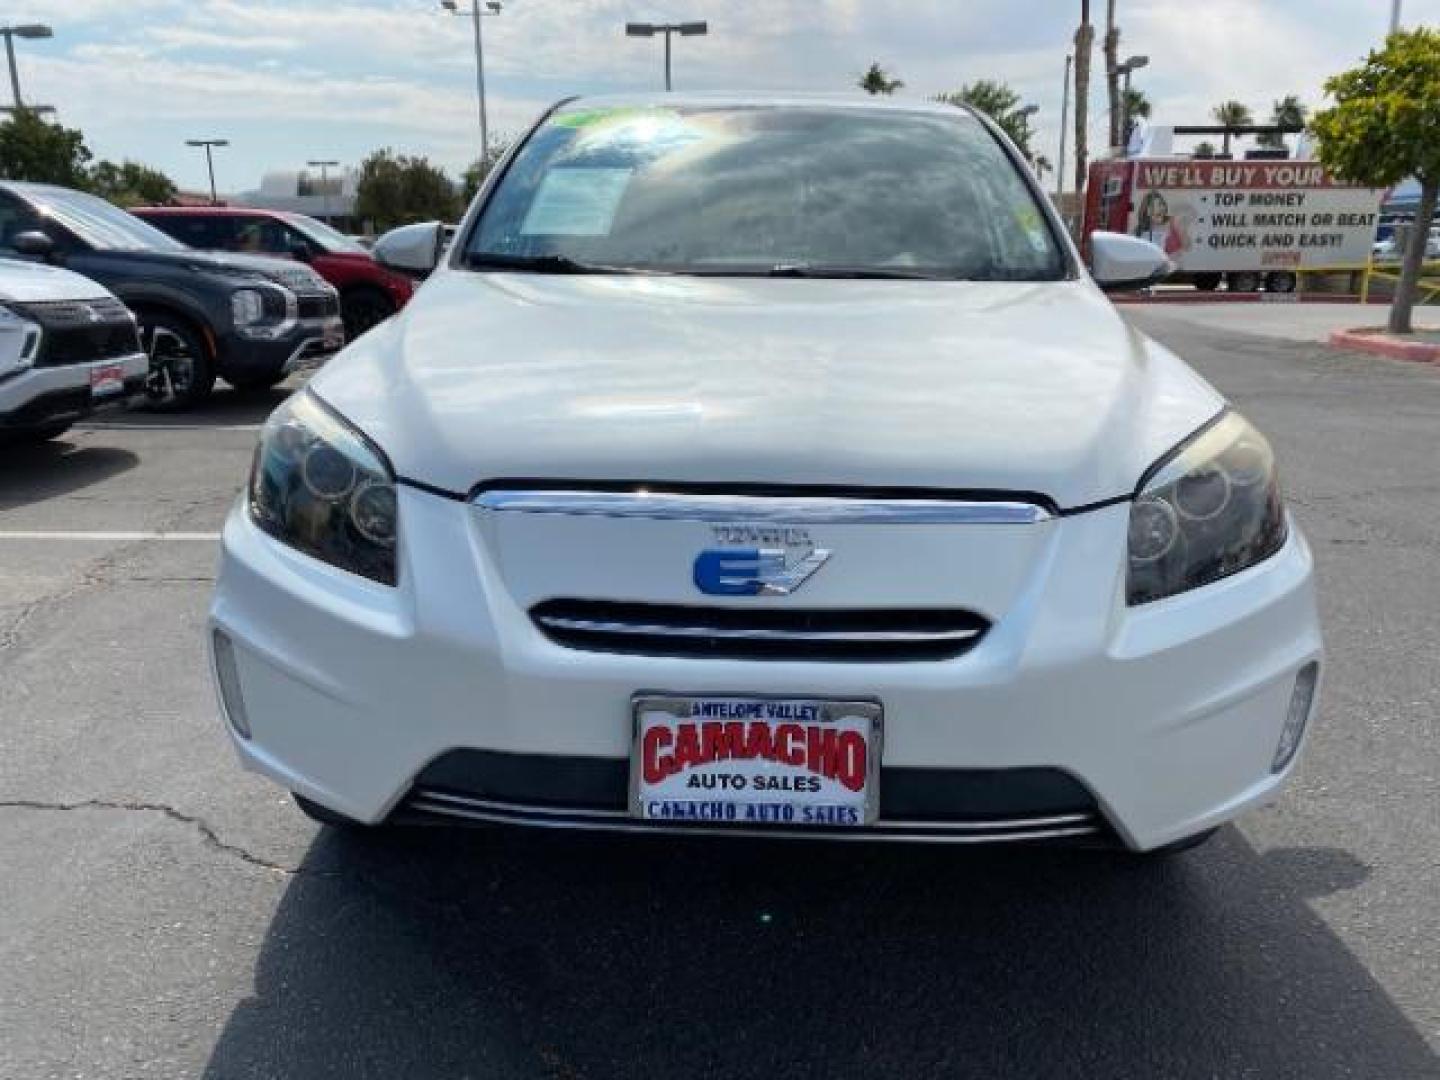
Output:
x=369 y=293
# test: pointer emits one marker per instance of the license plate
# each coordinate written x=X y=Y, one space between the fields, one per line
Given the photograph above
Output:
x=806 y=762
x=106 y=380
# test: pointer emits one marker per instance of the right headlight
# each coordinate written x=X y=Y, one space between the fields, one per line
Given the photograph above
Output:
x=320 y=486
x=1209 y=510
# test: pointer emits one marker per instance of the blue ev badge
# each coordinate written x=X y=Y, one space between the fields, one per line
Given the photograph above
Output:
x=786 y=561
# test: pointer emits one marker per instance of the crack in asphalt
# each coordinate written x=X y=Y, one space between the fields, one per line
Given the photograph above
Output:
x=200 y=825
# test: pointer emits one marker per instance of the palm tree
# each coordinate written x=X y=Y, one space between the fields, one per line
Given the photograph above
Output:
x=997 y=101
x=1204 y=149
x=1137 y=107
x=1111 y=49
x=876 y=81
x=1231 y=114
x=1287 y=112
x=1084 y=39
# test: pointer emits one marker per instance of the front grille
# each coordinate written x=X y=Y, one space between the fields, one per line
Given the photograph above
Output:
x=759 y=633
x=945 y=805
x=319 y=307
x=79 y=331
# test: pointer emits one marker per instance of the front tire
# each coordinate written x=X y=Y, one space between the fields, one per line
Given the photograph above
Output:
x=182 y=371
x=364 y=309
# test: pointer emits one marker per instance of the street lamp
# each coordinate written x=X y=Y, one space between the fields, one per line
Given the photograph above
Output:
x=1134 y=63
x=24 y=30
x=491 y=7
x=209 y=144
x=1064 y=121
x=324 y=185
x=1394 y=16
x=685 y=29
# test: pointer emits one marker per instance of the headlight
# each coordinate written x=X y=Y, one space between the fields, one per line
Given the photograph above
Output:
x=320 y=486
x=1209 y=510
x=246 y=306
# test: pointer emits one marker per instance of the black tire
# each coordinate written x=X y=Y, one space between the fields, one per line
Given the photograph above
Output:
x=182 y=371
x=1243 y=281
x=34 y=436
x=364 y=309
x=1281 y=281
x=1179 y=847
x=1206 y=282
x=325 y=816
x=256 y=384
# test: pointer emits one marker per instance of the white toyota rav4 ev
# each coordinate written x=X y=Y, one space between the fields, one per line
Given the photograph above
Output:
x=767 y=467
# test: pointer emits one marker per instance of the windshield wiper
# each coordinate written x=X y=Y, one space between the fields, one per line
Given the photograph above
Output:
x=541 y=264
x=813 y=270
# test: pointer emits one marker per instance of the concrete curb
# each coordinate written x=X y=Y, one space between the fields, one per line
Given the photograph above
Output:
x=1379 y=343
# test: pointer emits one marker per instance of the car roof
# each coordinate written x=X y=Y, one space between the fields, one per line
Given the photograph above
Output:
x=855 y=101
x=181 y=210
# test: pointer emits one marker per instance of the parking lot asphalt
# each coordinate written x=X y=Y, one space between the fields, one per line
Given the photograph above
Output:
x=167 y=915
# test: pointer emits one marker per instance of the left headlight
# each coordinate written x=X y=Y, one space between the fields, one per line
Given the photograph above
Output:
x=1209 y=510
x=320 y=486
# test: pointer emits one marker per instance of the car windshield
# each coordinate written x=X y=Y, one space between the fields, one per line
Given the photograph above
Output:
x=100 y=224
x=795 y=190
x=324 y=235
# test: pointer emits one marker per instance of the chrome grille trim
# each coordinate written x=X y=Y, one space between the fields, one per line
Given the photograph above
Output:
x=861 y=637
x=787 y=509
x=446 y=805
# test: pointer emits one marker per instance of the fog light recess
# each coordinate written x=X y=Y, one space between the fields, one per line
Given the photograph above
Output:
x=228 y=675
x=1301 y=700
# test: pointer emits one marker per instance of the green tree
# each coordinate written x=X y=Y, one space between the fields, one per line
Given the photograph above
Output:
x=397 y=189
x=1204 y=149
x=131 y=184
x=479 y=169
x=1384 y=127
x=31 y=149
x=1287 y=112
x=1137 y=107
x=1231 y=114
x=996 y=100
x=878 y=81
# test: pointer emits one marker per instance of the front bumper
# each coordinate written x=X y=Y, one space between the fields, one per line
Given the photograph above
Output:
x=39 y=396
x=1167 y=716
x=304 y=344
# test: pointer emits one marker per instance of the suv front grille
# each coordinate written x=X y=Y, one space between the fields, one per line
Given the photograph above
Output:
x=759 y=633
x=79 y=331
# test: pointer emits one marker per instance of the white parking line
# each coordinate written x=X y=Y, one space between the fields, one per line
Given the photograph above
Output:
x=80 y=534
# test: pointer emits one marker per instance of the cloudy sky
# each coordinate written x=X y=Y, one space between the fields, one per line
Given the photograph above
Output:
x=287 y=80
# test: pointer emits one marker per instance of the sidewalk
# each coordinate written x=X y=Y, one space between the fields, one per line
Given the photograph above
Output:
x=1286 y=321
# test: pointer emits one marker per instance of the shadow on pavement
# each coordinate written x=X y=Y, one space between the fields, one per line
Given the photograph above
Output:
x=225 y=406
x=57 y=467
x=437 y=954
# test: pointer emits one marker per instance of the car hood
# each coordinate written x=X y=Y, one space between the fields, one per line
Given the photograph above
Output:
x=1016 y=387
x=27 y=282
x=230 y=264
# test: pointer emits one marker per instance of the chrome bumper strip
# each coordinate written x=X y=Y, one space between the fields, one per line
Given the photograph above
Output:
x=750 y=633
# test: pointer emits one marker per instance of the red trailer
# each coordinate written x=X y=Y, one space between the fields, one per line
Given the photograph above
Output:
x=1247 y=223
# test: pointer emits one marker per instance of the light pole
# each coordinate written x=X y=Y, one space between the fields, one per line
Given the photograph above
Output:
x=209 y=144
x=491 y=7
x=1064 y=121
x=324 y=185
x=1394 y=20
x=685 y=29
x=25 y=30
x=1135 y=63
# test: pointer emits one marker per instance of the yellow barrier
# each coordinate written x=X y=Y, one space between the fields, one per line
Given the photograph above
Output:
x=1389 y=271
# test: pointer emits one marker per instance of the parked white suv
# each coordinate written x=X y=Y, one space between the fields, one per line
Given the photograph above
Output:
x=67 y=348
x=768 y=468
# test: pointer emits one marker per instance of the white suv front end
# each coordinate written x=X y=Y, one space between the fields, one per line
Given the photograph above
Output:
x=605 y=533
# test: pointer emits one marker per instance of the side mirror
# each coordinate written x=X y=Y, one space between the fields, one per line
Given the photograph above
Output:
x=33 y=242
x=1120 y=262
x=411 y=249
